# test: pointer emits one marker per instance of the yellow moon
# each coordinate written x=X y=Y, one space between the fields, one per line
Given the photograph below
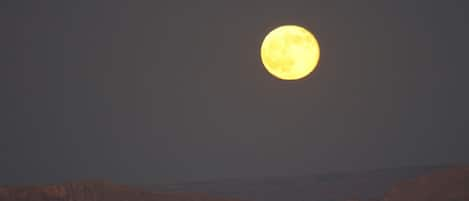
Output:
x=290 y=52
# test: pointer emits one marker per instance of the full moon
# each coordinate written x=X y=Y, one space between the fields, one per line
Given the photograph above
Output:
x=290 y=52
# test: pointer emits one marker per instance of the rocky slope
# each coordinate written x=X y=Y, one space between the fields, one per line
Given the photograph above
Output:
x=95 y=191
x=443 y=185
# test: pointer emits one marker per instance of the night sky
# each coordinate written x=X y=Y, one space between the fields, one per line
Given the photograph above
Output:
x=152 y=92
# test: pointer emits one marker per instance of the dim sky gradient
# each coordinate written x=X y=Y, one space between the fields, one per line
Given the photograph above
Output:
x=166 y=91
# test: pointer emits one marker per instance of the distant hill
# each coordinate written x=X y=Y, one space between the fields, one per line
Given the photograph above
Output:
x=95 y=191
x=339 y=186
x=406 y=184
x=444 y=185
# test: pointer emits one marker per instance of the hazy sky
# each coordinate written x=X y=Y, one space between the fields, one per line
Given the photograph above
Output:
x=153 y=91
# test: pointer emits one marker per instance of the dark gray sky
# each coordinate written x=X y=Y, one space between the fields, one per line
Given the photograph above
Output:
x=153 y=91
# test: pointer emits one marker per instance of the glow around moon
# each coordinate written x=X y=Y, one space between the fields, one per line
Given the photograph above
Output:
x=290 y=52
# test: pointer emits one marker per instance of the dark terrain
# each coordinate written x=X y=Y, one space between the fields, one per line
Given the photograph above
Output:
x=361 y=185
x=443 y=185
x=401 y=184
x=95 y=191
